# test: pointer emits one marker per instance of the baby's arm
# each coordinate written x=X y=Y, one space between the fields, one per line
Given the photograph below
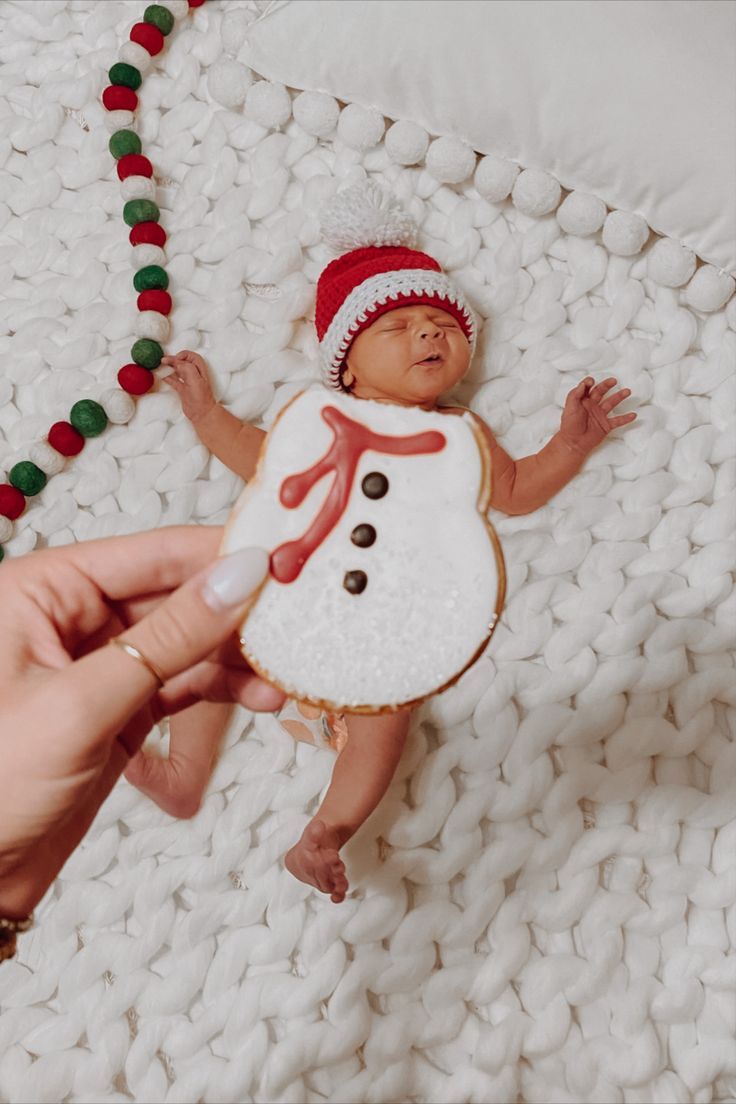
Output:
x=235 y=443
x=521 y=486
x=361 y=776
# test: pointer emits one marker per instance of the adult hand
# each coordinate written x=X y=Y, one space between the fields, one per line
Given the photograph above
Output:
x=585 y=418
x=74 y=708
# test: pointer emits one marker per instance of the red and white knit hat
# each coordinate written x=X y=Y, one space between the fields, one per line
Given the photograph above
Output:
x=380 y=273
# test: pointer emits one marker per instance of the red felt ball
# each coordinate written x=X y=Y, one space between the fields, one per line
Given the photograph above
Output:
x=148 y=36
x=147 y=233
x=196 y=3
x=155 y=300
x=12 y=502
x=65 y=439
x=133 y=164
x=118 y=97
x=135 y=379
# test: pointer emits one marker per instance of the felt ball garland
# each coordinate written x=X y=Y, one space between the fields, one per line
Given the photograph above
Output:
x=27 y=477
x=65 y=439
x=88 y=418
x=133 y=164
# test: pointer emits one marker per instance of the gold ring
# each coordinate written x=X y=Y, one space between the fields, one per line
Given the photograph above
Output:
x=136 y=654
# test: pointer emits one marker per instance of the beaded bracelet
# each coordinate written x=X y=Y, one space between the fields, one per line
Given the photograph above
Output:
x=87 y=417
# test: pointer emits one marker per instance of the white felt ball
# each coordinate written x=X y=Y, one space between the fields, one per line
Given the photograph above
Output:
x=406 y=143
x=581 y=214
x=152 y=324
x=731 y=313
x=46 y=458
x=670 y=263
x=709 y=289
x=316 y=113
x=535 y=193
x=624 y=233
x=134 y=54
x=268 y=103
x=118 y=405
x=138 y=187
x=364 y=214
x=119 y=120
x=494 y=177
x=450 y=160
x=361 y=128
x=147 y=254
x=6 y=529
x=234 y=29
x=178 y=8
x=228 y=82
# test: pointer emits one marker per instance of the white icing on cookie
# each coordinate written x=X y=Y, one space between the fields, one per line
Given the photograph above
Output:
x=434 y=572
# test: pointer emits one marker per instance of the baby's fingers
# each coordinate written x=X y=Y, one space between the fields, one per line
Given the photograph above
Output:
x=600 y=388
x=185 y=370
x=195 y=360
x=614 y=400
x=622 y=419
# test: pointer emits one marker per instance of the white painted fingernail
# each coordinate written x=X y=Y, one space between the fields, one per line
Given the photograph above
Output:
x=233 y=578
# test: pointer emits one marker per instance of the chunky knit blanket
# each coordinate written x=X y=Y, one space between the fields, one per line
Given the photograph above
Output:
x=543 y=908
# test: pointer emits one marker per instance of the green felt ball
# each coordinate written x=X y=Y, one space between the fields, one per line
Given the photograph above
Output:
x=88 y=418
x=150 y=277
x=2 y=553
x=160 y=17
x=123 y=142
x=147 y=353
x=122 y=73
x=28 y=478
x=140 y=210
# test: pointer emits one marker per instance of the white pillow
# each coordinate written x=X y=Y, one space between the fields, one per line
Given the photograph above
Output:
x=629 y=100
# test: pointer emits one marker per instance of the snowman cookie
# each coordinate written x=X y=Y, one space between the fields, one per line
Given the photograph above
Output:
x=386 y=579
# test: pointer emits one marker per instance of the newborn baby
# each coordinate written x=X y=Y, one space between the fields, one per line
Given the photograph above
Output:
x=410 y=355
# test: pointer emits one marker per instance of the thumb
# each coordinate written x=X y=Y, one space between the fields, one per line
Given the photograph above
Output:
x=105 y=688
x=576 y=395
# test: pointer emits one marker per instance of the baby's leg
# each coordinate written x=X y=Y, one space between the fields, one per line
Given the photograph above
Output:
x=177 y=783
x=361 y=776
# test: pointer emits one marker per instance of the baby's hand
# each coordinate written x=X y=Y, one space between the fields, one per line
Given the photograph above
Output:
x=585 y=420
x=314 y=860
x=191 y=383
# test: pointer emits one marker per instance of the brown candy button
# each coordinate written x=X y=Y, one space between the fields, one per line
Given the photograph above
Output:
x=355 y=581
x=363 y=535
x=374 y=485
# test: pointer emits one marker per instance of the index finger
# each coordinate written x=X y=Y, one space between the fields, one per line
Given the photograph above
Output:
x=143 y=563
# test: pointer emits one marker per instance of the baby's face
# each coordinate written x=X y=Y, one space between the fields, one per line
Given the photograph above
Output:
x=387 y=359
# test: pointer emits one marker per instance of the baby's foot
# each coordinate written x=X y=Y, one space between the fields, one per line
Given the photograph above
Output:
x=314 y=860
x=157 y=778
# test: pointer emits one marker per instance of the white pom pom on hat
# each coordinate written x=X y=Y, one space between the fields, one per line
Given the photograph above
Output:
x=380 y=272
x=365 y=214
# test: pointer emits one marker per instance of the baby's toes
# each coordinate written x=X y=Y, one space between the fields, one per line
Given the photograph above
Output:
x=339 y=891
x=337 y=867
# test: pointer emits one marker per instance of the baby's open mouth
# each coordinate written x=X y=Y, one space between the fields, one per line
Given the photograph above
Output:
x=435 y=358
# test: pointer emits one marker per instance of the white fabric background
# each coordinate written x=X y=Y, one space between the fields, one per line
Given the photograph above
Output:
x=633 y=101
x=544 y=906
